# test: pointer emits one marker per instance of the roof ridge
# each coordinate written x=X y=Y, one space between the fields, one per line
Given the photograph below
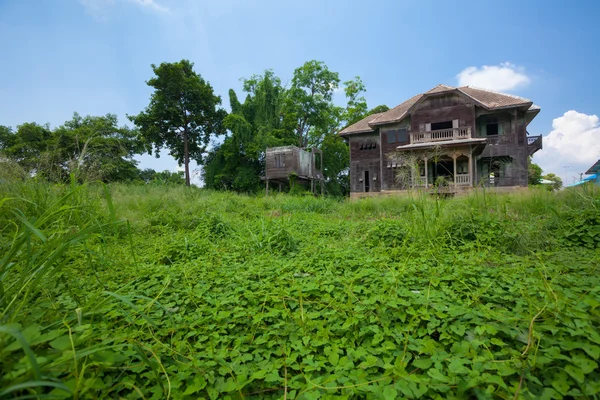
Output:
x=514 y=96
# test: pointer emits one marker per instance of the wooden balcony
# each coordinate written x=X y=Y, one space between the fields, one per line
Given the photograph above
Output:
x=534 y=143
x=441 y=135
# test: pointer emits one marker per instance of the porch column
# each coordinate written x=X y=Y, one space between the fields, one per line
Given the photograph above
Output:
x=426 y=162
x=471 y=166
x=454 y=171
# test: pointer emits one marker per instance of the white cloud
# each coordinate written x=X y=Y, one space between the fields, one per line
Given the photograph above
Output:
x=574 y=143
x=505 y=76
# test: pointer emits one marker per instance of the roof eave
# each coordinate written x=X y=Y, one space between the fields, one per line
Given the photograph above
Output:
x=393 y=121
x=594 y=169
x=356 y=132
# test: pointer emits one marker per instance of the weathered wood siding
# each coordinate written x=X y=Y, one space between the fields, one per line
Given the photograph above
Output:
x=464 y=113
x=365 y=155
x=273 y=170
x=510 y=144
x=388 y=174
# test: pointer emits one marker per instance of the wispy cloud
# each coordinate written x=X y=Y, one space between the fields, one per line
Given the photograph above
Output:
x=151 y=4
x=505 y=76
x=100 y=9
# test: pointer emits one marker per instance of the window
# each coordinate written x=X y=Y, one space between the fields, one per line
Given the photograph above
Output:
x=368 y=145
x=391 y=136
x=279 y=161
x=492 y=129
x=441 y=125
x=367 y=185
x=397 y=135
x=402 y=135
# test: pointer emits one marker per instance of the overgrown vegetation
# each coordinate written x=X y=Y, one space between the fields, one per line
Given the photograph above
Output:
x=161 y=292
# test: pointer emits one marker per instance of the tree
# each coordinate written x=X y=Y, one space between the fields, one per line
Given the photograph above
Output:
x=256 y=124
x=92 y=148
x=303 y=115
x=182 y=115
x=379 y=109
x=534 y=172
x=308 y=108
x=357 y=105
x=556 y=181
x=7 y=138
x=27 y=145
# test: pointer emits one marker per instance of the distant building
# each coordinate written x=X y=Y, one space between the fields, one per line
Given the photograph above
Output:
x=459 y=137
x=594 y=172
x=290 y=163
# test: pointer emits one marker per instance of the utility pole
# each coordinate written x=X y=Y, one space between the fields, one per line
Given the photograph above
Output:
x=566 y=167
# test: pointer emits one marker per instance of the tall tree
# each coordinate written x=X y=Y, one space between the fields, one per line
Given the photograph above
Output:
x=182 y=115
x=254 y=125
x=309 y=109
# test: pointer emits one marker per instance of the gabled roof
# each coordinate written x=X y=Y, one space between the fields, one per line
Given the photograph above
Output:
x=492 y=100
x=361 y=126
x=485 y=98
x=397 y=113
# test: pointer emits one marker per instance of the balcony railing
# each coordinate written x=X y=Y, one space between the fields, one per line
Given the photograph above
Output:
x=534 y=143
x=441 y=135
x=463 y=179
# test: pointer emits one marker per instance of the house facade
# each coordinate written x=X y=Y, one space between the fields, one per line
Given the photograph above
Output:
x=453 y=137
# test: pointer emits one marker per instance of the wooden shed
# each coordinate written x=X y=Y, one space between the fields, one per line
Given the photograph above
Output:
x=306 y=166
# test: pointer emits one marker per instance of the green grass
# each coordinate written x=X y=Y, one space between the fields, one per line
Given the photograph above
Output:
x=167 y=292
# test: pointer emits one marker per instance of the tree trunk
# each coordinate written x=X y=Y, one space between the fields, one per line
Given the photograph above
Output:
x=186 y=157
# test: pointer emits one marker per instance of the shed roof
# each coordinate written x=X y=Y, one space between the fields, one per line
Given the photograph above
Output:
x=594 y=169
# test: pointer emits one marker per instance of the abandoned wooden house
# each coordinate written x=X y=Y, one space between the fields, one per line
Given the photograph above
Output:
x=456 y=137
x=291 y=164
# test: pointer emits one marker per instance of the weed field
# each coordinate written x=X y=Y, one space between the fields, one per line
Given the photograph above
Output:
x=163 y=292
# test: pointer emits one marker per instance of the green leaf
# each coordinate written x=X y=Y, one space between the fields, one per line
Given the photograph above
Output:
x=390 y=393
x=334 y=358
x=560 y=382
x=584 y=363
x=198 y=383
x=576 y=373
x=456 y=366
x=437 y=375
x=423 y=363
x=62 y=343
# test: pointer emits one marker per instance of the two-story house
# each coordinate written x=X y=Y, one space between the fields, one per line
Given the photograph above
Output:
x=456 y=137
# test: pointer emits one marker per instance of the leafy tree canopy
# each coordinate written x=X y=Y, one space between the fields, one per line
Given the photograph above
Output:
x=182 y=115
x=556 y=181
x=534 y=173
x=91 y=147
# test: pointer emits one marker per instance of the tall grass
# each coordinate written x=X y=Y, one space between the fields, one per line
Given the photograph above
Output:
x=80 y=265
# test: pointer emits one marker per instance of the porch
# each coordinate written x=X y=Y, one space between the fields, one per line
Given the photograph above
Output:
x=454 y=170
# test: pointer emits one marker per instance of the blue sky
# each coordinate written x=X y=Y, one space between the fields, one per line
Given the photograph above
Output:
x=93 y=56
